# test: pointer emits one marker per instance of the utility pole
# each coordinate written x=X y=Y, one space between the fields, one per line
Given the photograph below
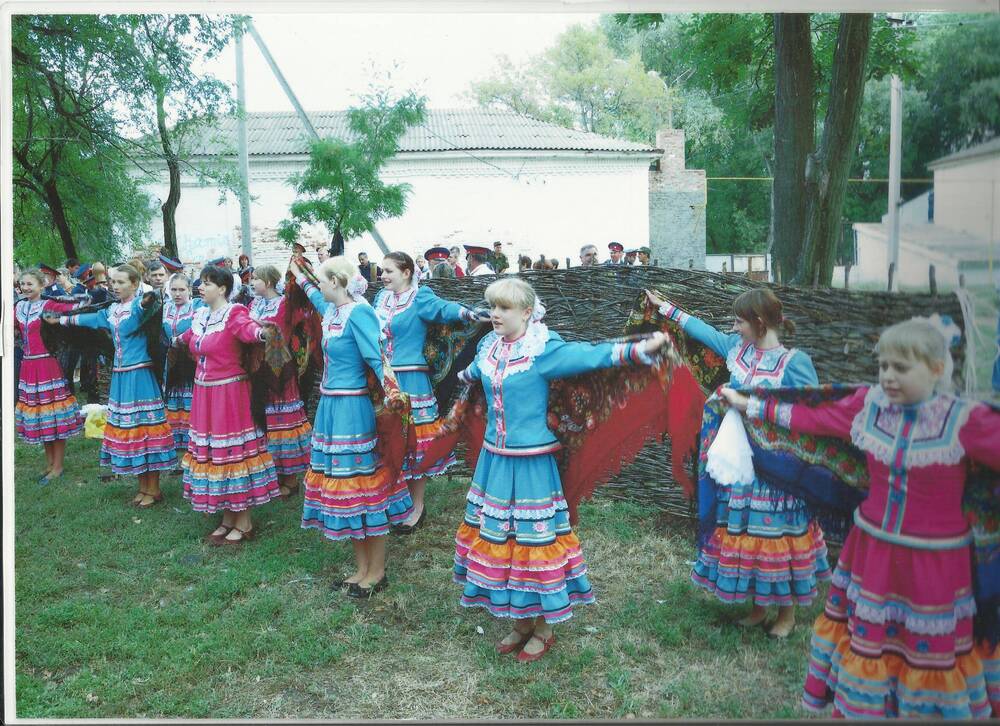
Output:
x=241 y=140
x=895 y=161
x=303 y=117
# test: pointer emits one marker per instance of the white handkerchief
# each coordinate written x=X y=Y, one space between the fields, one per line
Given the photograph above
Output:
x=730 y=460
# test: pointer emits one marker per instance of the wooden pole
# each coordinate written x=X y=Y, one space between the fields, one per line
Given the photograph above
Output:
x=847 y=276
x=892 y=273
x=931 y=273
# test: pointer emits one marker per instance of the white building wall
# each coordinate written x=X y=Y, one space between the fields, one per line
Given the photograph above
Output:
x=967 y=196
x=547 y=204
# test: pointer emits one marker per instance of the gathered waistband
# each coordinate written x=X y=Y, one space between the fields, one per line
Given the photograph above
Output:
x=221 y=381
x=343 y=391
x=137 y=366
x=920 y=542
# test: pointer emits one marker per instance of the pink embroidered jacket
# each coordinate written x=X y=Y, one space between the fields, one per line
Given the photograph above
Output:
x=214 y=341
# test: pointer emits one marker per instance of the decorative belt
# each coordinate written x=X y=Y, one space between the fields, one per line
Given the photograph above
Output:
x=343 y=391
x=36 y=357
x=410 y=369
x=137 y=366
x=523 y=451
x=221 y=381
x=920 y=542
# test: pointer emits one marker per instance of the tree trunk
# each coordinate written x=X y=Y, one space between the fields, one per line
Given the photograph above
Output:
x=58 y=211
x=794 y=137
x=169 y=207
x=337 y=244
x=827 y=169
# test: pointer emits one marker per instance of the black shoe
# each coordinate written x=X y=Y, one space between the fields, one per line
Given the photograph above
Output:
x=411 y=528
x=356 y=591
x=339 y=584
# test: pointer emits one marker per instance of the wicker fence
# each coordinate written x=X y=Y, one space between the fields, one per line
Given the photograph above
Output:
x=838 y=328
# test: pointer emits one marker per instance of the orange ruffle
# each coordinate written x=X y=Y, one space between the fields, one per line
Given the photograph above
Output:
x=891 y=668
x=360 y=486
x=138 y=433
x=778 y=549
x=294 y=433
x=522 y=556
x=209 y=470
x=47 y=408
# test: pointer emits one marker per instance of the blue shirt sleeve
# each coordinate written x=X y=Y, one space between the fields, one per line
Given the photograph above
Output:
x=364 y=328
x=315 y=296
x=704 y=333
x=433 y=309
x=562 y=360
x=800 y=371
x=96 y=320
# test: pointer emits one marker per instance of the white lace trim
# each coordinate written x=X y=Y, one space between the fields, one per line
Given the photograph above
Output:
x=335 y=320
x=730 y=460
x=262 y=309
x=524 y=350
x=207 y=323
x=893 y=612
x=934 y=438
x=770 y=369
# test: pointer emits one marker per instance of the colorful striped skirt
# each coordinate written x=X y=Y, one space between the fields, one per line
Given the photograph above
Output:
x=137 y=437
x=417 y=384
x=515 y=553
x=348 y=494
x=178 y=405
x=288 y=431
x=765 y=549
x=227 y=465
x=45 y=410
x=896 y=637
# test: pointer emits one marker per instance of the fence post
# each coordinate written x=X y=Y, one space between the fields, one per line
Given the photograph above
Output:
x=656 y=263
x=932 y=274
x=567 y=263
x=961 y=279
x=847 y=276
x=892 y=273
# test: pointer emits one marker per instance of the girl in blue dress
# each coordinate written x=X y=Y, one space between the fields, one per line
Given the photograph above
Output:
x=404 y=310
x=515 y=553
x=349 y=493
x=178 y=378
x=765 y=547
x=137 y=437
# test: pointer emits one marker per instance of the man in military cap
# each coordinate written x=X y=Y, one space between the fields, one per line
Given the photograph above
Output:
x=617 y=251
x=476 y=257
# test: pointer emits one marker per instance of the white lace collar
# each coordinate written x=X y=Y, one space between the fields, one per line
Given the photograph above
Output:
x=933 y=438
x=28 y=311
x=262 y=308
x=335 y=319
x=206 y=322
x=518 y=354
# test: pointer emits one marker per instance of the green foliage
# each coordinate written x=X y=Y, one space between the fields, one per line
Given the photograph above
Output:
x=341 y=188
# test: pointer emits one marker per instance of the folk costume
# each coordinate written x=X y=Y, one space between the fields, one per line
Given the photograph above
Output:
x=912 y=618
x=227 y=465
x=46 y=410
x=352 y=490
x=288 y=429
x=137 y=437
x=404 y=318
x=516 y=554
x=178 y=373
x=756 y=543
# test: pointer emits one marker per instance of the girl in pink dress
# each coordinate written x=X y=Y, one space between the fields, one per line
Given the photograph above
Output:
x=896 y=638
x=227 y=467
x=46 y=412
x=289 y=434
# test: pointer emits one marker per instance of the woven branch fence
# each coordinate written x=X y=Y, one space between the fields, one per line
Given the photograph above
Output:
x=837 y=328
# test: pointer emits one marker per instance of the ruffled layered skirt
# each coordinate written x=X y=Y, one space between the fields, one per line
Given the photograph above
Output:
x=348 y=493
x=426 y=422
x=515 y=553
x=765 y=549
x=45 y=410
x=227 y=465
x=895 y=638
x=137 y=437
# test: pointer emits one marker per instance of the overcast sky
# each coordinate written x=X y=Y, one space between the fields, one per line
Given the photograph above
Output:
x=328 y=58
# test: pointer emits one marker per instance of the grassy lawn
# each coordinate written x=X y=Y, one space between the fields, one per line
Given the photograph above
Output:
x=123 y=612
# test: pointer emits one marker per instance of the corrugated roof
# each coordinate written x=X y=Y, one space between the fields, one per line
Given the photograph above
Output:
x=986 y=148
x=273 y=133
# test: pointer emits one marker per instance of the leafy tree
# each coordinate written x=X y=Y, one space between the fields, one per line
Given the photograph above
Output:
x=73 y=193
x=341 y=188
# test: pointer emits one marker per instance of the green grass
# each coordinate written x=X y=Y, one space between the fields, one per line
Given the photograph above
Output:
x=126 y=613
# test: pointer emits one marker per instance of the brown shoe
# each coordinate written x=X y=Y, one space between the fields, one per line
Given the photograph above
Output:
x=244 y=536
x=213 y=539
x=156 y=500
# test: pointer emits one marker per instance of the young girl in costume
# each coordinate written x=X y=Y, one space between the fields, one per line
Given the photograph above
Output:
x=227 y=467
x=137 y=437
x=896 y=636
x=288 y=429
x=516 y=554
x=46 y=412
x=764 y=546
x=404 y=310
x=178 y=312
x=349 y=493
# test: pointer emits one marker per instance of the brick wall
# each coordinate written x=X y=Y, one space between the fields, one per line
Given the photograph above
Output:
x=676 y=206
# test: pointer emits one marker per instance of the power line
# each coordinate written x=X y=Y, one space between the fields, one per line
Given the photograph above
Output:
x=856 y=181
